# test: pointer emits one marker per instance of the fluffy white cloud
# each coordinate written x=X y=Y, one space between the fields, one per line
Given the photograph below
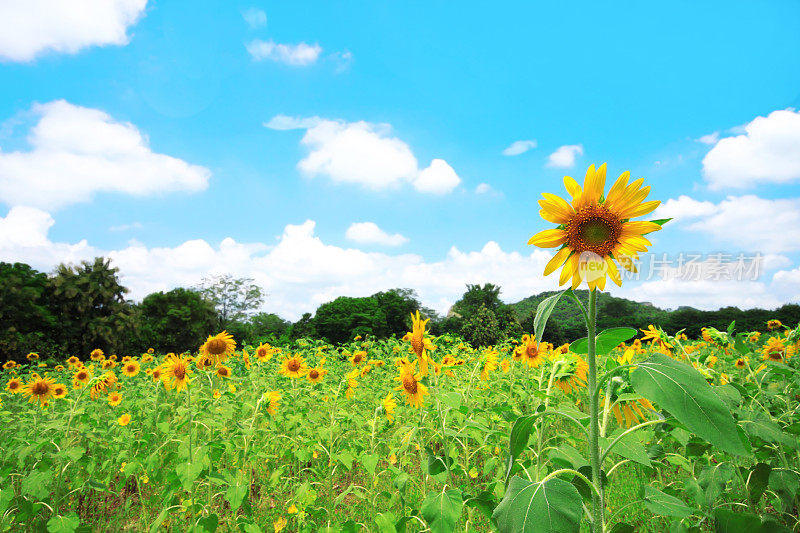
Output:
x=520 y=147
x=711 y=138
x=77 y=152
x=767 y=152
x=29 y=28
x=745 y=222
x=684 y=208
x=255 y=18
x=301 y=272
x=366 y=154
x=564 y=156
x=370 y=233
x=438 y=178
x=296 y=55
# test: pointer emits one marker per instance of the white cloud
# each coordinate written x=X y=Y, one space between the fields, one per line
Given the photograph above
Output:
x=564 y=156
x=126 y=227
x=29 y=28
x=366 y=154
x=483 y=188
x=255 y=18
x=767 y=152
x=77 y=152
x=370 y=233
x=745 y=222
x=283 y=122
x=711 y=138
x=520 y=147
x=438 y=178
x=684 y=208
x=296 y=55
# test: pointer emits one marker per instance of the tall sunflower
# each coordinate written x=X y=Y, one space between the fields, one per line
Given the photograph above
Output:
x=131 y=368
x=264 y=352
x=40 y=389
x=411 y=386
x=316 y=374
x=176 y=370
x=14 y=385
x=594 y=231
x=218 y=347
x=419 y=343
x=294 y=366
x=532 y=353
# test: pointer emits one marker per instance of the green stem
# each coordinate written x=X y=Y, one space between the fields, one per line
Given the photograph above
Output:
x=191 y=451
x=594 y=426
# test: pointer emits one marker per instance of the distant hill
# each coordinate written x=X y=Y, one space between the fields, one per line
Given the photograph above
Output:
x=566 y=322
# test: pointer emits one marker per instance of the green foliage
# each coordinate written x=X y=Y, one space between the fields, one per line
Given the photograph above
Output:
x=177 y=320
x=480 y=317
x=234 y=298
x=553 y=506
x=90 y=304
x=26 y=322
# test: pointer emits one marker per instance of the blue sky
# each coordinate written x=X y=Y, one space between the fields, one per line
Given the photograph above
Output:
x=151 y=120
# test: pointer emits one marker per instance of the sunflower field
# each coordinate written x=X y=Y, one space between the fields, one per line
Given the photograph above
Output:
x=373 y=437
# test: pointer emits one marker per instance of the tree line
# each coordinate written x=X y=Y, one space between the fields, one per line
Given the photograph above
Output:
x=77 y=308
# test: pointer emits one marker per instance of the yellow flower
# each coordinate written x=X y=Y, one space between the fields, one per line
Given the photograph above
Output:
x=130 y=368
x=741 y=362
x=279 y=524
x=14 y=385
x=8 y=365
x=505 y=364
x=389 y=405
x=39 y=389
x=124 y=420
x=264 y=352
x=473 y=472
x=630 y=410
x=530 y=351
x=72 y=361
x=144 y=479
x=315 y=455
x=774 y=324
x=294 y=366
x=122 y=466
x=292 y=509
x=595 y=230
x=176 y=372
x=224 y=371
x=217 y=393
x=274 y=398
x=33 y=356
x=411 y=386
x=218 y=347
x=96 y=355
x=774 y=350
x=316 y=374
x=114 y=399
x=232 y=388
x=358 y=357
x=59 y=390
x=419 y=343
x=393 y=459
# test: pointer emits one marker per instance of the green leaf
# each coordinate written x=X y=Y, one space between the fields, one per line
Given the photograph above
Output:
x=661 y=221
x=714 y=478
x=727 y=521
x=554 y=506
x=235 y=494
x=63 y=524
x=683 y=391
x=451 y=399
x=385 y=522
x=628 y=447
x=757 y=481
x=369 y=462
x=520 y=434
x=543 y=311
x=442 y=509
x=606 y=340
x=786 y=484
x=209 y=523
x=663 y=504
x=621 y=527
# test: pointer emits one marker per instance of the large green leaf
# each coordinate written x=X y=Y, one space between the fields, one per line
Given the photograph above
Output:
x=520 y=434
x=682 y=391
x=663 y=504
x=442 y=509
x=528 y=507
x=727 y=521
x=543 y=311
x=606 y=340
x=63 y=523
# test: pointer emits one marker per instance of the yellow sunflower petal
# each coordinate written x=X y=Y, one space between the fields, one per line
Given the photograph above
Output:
x=617 y=189
x=640 y=227
x=573 y=188
x=569 y=270
x=640 y=210
x=613 y=272
x=549 y=238
x=557 y=261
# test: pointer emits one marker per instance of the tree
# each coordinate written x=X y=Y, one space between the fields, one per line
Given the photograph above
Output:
x=482 y=303
x=89 y=303
x=266 y=325
x=397 y=306
x=303 y=327
x=176 y=321
x=26 y=323
x=482 y=328
x=234 y=298
x=345 y=317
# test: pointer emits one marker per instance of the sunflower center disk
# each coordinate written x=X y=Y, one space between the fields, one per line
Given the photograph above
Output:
x=216 y=346
x=410 y=384
x=594 y=229
x=293 y=366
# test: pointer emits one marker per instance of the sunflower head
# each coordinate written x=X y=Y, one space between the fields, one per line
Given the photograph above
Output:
x=294 y=366
x=131 y=368
x=14 y=385
x=224 y=371
x=218 y=347
x=39 y=389
x=595 y=230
